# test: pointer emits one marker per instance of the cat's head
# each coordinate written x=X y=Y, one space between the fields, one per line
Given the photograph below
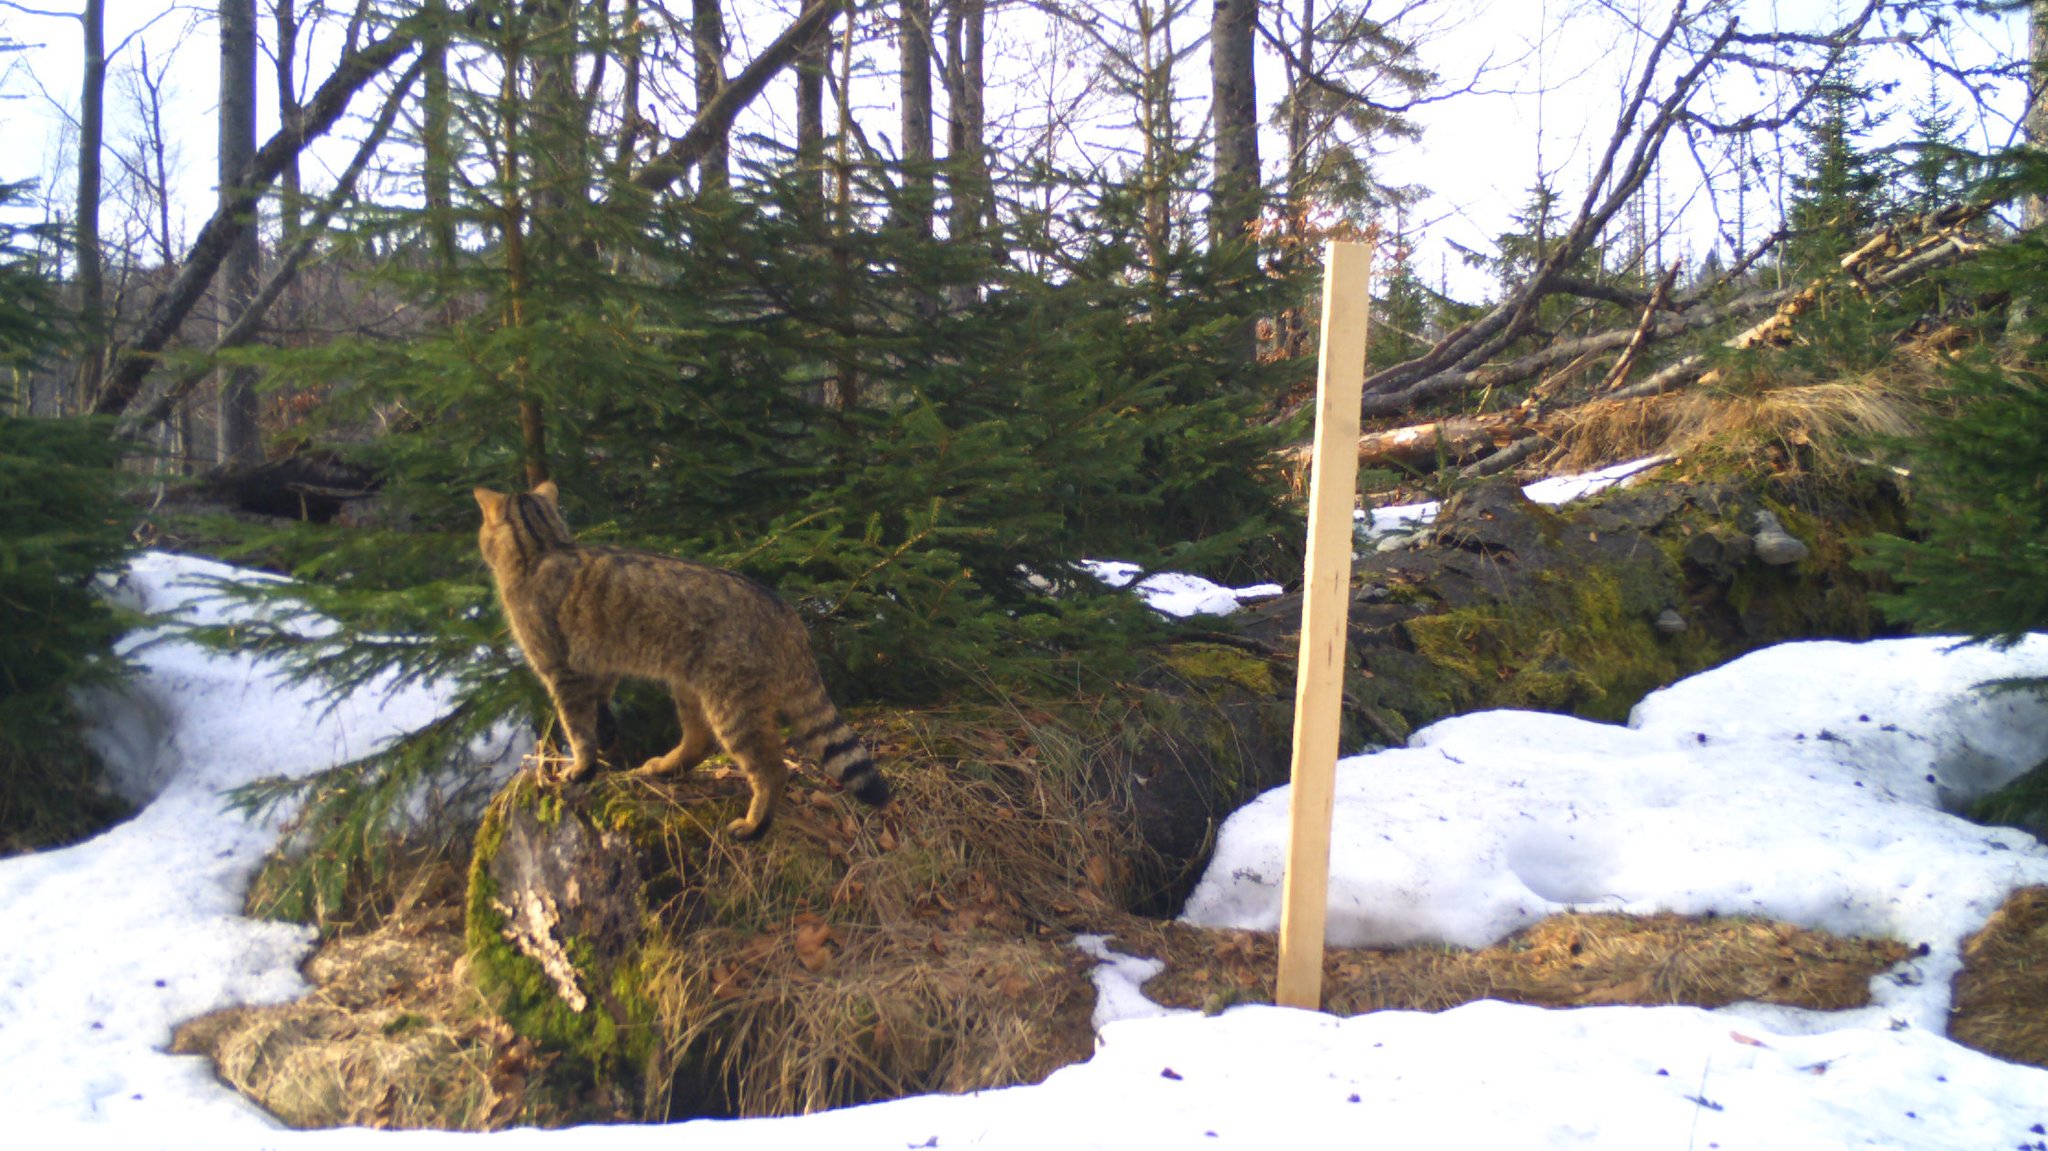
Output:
x=520 y=528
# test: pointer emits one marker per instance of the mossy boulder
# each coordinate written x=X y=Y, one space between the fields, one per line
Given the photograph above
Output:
x=1586 y=608
x=1218 y=728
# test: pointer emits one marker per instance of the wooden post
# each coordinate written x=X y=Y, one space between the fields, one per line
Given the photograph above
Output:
x=1325 y=601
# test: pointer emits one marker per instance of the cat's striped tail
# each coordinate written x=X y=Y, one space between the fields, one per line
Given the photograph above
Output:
x=822 y=734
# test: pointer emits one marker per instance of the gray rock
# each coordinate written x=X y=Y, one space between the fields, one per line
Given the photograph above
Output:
x=1670 y=622
x=1775 y=545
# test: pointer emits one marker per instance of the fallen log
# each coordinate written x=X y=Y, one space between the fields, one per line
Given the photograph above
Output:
x=1886 y=260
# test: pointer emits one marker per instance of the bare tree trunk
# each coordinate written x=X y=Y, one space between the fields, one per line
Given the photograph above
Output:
x=632 y=54
x=2033 y=207
x=155 y=160
x=966 y=91
x=437 y=140
x=557 y=116
x=814 y=61
x=1234 y=188
x=1293 y=323
x=707 y=36
x=914 y=50
x=512 y=192
x=842 y=394
x=2034 y=212
x=92 y=290
x=286 y=59
x=240 y=436
x=1157 y=132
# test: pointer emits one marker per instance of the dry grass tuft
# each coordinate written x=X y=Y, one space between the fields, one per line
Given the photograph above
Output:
x=2001 y=995
x=392 y=1035
x=1573 y=960
x=1823 y=426
x=852 y=957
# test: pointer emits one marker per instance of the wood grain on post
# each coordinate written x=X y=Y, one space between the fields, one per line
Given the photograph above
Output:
x=1325 y=601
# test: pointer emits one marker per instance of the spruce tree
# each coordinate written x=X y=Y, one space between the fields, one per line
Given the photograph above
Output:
x=1979 y=478
x=1839 y=190
x=913 y=441
x=60 y=525
x=1937 y=169
x=1977 y=564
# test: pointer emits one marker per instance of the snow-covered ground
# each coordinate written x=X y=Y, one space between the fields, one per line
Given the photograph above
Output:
x=1803 y=782
x=1176 y=593
x=1394 y=524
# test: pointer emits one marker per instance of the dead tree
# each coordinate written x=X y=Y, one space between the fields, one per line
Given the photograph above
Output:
x=1888 y=258
x=1668 y=96
x=357 y=68
x=240 y=442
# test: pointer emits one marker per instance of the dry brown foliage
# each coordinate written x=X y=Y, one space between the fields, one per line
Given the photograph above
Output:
x=1824 y=425
x=392 y=1035
x=851 y=957
x=1572 y=960
x=2001 y=994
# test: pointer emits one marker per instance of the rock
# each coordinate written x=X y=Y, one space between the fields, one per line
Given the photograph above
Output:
x=1718 y=552
x=1775 y=545
x=1516 y=604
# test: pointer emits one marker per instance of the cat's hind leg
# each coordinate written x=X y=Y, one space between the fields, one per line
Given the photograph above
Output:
x=696 y=741
x=757 y=748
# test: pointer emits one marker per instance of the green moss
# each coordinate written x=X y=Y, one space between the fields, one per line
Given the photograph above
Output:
x=609 y=1039
x=1209 y=661
x=1583 y=643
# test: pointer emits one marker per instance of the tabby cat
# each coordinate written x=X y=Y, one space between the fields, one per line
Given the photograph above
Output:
x=732 y=652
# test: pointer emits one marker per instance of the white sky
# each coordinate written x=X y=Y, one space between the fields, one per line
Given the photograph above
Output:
x=1804 y=782
x=1479 y=155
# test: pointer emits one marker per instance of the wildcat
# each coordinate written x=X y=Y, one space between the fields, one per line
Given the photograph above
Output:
x=733 y=653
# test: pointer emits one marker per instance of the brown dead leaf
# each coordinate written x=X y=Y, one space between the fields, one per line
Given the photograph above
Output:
x=1097 y=870
x=727 y=982
x=813 y=938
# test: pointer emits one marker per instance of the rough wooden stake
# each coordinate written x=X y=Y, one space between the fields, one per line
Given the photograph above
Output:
x=1326 y=599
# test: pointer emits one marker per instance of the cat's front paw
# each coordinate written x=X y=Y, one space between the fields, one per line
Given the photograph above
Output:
x=747 y=829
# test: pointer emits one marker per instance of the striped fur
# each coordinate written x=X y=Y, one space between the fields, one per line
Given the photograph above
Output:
x=735 y=657
x=823 y=736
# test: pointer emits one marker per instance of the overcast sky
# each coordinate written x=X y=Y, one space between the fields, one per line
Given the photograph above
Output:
x=1548 y=76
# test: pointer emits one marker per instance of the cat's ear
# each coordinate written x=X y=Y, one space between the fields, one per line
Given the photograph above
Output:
x=547 y=490
x=493 y=504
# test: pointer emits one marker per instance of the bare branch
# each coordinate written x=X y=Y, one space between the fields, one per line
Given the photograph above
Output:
x=356 y=70
x=135 y=424
x=715 y=118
